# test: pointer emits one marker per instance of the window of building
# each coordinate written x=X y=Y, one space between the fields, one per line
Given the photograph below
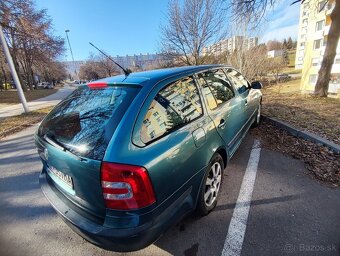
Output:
x=302 y=44
x=152 y=134
x=300 y=58
x=322 y=5
x=312 y=79
x=315 y=61
x=216 y=87
x=176 y=105
x=337 y=61
x=317 y=44
x=335 y=79
x=319 y=25
x=305 y=21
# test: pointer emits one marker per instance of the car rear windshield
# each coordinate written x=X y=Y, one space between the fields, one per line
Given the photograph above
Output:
x=85 y=121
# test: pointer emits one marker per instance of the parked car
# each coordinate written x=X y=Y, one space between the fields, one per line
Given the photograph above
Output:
x=45 y=85
x=124 y=158
x=283 y=77
x=78 y=82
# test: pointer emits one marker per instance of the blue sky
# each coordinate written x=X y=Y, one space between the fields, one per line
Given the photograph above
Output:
x=281 y=21
x=132 y=27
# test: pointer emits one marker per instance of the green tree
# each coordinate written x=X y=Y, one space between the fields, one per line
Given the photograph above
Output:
x=284 y=44
x=285 y=57
x=289 y=43
x=174 y=119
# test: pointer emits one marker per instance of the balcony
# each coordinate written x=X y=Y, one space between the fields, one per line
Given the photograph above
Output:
x=322 y=50
x=326 y=30
x=335 y=68
x=329 y=8
x=318 y=35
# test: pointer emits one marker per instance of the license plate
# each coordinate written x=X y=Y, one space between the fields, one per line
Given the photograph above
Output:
x=66 y=179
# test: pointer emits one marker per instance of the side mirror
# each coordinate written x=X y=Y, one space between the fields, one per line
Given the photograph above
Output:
x=256 y=85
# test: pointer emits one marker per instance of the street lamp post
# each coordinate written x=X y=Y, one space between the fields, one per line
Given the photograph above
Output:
x=69 y=44
x=13 y=71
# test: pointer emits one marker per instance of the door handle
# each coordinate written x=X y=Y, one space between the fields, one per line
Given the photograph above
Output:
x=222 y=124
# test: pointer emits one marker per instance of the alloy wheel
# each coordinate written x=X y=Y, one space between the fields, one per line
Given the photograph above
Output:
x=212 y=184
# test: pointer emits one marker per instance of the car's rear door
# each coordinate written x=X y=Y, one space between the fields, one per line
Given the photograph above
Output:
x=174 y=136
x=225 y=109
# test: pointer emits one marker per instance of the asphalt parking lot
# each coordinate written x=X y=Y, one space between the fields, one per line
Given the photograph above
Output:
x=288 y=212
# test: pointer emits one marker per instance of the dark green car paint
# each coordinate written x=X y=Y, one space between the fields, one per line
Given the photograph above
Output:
x=176 y=164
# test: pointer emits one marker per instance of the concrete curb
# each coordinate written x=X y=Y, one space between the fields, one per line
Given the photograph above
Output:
x=303 y=134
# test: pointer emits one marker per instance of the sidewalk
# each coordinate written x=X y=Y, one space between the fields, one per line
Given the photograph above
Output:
x=50 y=100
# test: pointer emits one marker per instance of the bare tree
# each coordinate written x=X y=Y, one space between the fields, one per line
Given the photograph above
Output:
x=88 y=71
x=52 y=71
x=4 y=72
x=97 y=66
x=254 y=62
x=257 y=8
x=106 y=67
x=28 y=32
x=253 y=9
x=274 y=45
x=275 y=66
x=191 y=26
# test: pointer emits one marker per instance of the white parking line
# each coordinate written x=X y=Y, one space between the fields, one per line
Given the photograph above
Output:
x=237 y=227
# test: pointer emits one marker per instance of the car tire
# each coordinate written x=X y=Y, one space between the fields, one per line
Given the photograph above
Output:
x=258 y=116
x=211 y=186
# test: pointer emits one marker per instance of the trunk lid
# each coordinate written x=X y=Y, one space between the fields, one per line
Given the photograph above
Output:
x=73 y=138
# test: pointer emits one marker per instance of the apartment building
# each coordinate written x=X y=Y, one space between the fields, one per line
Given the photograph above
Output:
x=230 y=45
x=314 y=27
x=141 y=60
x=72 y=68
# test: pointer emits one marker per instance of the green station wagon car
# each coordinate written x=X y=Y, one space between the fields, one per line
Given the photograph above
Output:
x=126 y=157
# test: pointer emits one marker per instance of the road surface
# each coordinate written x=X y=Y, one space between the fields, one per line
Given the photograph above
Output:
x=289 y=213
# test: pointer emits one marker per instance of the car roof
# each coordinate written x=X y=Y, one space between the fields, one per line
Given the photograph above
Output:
x=156 y=75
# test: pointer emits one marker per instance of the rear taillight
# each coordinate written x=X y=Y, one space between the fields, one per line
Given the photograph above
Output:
x=126 y=187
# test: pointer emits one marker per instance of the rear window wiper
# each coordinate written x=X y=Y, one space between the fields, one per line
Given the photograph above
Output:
x=51 y=140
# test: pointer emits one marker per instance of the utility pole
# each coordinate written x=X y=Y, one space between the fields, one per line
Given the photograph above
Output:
x=13 y=71
x=69 y=44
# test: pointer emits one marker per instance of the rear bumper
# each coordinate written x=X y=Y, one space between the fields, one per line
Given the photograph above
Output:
x=114 y=239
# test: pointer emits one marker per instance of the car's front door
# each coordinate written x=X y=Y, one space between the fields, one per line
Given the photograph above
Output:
x=224 y=108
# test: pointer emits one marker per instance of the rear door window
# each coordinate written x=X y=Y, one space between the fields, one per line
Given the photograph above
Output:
x=216 y=87
x=174 y=106
x=85 y=121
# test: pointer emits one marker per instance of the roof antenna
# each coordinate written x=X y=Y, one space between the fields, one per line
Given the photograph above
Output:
x=126 y=71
